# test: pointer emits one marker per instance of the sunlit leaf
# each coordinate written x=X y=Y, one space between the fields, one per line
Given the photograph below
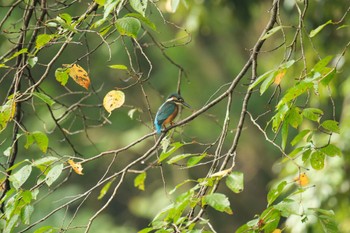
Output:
x=331 y=150
x=284 y=132
x=261 y=78
x=315 y=31
x=139 y=181
x=321 y=65
x=79 y=75
x=317 y=160
x=39 y=138
x=76 y=167
x=45 y=162
x=128 y=26
x=221 y=173
x=43 y=39
x=62 y=76
x=195 y=159
x=113 y=99
x=218 y=201
x=16 y=54
x=53 y=174
x=235 y=181
x=118 y=66
x=19 y=177
x=100 y=2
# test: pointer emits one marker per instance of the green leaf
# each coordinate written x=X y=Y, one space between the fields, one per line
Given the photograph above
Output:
x=118 y=66
x=44 y=163
x=317 y=160
x=46 y=229
x=235 y=182
x=306 y=155
x=300 y=136
x=47 y=99
x=287 y=207
x=267 y=83
x=294 y=92
x=26 y=213
x=62 y=76
x=139 y=181
x=285 y=128
x=128 y=26
x=105 y=189
x=274 y=193
x=11 y=223
x=279 y=117
x=271 y=218
x=294 y=117
x=143 y=19
x=139 y=6
x=195 y=159
x=39 y=138
x=18 y=178
x=166 y=154
x=328 y=75
x=218 y=201
x=26 y=196
x=319 y=28
x=331 y=150
x=7 y=112
x=327 y=220
x=331 y=125
x=16 y=54
x=313 y=114
x=53 y=174
x=321 y=65
x=261 y=78
x=100 y=2
x=43 y=39
x=32 y=61
x=271 y=32
x=178 y=158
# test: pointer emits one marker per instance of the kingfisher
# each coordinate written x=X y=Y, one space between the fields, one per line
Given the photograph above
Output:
x=168 y=111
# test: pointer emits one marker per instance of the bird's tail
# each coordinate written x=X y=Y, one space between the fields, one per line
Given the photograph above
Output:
x=158 y=128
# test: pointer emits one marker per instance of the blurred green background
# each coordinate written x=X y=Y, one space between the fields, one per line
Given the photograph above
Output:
x=212 y=50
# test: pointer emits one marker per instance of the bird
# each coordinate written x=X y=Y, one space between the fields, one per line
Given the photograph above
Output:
x=168 y=111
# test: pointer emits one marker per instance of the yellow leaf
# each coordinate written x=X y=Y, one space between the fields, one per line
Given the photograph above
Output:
x=279 y=76
x=79 y=75
x=76 y=167
x=302 y=179
x=114 y=99
x=277 y=231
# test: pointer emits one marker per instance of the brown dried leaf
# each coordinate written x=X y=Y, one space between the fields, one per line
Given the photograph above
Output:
x=76 y=167
x=79 y=75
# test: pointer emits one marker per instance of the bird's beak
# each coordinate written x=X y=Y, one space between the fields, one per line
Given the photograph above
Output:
x=186 y=104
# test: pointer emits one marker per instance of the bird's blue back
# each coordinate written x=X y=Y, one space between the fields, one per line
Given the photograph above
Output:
x=164 y=111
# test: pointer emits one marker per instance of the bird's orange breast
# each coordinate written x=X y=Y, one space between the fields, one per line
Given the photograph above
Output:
x=171 y=116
